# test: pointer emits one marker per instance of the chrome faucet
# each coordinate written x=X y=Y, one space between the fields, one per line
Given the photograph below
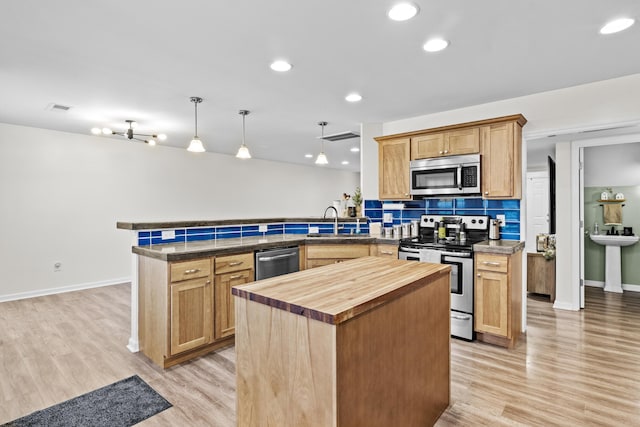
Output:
x=335 y=224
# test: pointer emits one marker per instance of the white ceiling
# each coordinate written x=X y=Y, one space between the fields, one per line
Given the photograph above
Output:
x=142 y=60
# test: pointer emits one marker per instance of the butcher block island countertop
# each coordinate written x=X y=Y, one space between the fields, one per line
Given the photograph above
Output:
x=362 y=342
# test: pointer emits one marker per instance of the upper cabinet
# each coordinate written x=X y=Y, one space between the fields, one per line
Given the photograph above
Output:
x=501 y=160
x=393 y=169
x=463 y=141
x=498 y=140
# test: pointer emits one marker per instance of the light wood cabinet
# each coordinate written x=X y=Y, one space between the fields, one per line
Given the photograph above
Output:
x=501 y=151
x=319 y=255
x=498 y=298
x=393 y=167
x=191 y=322
x=455 y=142
x=230 y=271
x=385 y=250
x=541 y=275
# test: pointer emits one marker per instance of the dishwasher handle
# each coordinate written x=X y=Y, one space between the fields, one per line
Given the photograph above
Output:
x=271 y=258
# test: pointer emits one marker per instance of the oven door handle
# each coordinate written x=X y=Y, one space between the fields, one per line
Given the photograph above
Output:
x=461 y=316
x=456 y=254
x=459 y=177
x=409 y=250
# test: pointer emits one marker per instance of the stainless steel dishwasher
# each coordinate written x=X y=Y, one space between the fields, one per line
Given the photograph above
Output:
x=275 y=262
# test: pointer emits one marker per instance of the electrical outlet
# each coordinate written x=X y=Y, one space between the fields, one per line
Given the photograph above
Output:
x=168 y=234
x=57 y=267
x=263 y=228
x=502 y=219
x=314 y=230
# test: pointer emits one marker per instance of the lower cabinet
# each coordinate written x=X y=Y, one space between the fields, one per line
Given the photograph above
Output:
x=498 y=298
x=184 y=309
x=325 y=254
x=230 y=271
x=191 y=314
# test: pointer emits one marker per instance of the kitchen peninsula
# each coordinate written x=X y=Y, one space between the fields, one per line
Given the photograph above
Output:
x=365 y=341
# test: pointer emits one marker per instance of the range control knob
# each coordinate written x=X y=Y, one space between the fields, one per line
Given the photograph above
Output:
x=480 y=221
x=473 y=221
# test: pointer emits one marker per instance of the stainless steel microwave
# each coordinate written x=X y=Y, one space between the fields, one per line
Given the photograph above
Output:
x=446 y=176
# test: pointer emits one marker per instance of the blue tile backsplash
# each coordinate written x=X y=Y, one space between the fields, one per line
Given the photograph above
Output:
x=375 y=210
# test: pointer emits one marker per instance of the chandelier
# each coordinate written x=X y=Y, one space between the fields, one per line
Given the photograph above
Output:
x=130 y=134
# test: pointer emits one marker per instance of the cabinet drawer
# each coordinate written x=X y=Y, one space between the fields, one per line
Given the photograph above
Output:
x=490 y=262
x=388 y=251
x=337 y=251
x=190 y=269
x=229 y=263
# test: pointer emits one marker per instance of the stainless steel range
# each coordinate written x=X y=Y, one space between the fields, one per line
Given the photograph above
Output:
x=449 y=239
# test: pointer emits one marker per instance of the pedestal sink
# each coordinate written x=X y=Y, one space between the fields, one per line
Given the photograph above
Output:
x=613 y=267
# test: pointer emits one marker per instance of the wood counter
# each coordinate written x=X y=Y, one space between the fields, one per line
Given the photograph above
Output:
x=363 y=342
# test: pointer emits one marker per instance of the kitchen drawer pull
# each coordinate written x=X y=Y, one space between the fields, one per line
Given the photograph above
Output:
x=234 y=263
x=191 y=271
x=236 y=276
x=386 y=252
x=494 y=264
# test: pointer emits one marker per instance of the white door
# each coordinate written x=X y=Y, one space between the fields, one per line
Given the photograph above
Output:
x=537 y=207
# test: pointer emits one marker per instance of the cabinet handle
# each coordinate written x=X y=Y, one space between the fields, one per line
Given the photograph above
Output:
x=386 y=252
x=495 y=264
x=486 y=193
x=208 y=282
x=479 y=275
x=191 y=271
x=234 y=263
x=446 y=151
x=236 y=276
x=441 y=152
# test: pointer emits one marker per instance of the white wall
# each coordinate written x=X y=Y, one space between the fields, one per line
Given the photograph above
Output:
x=570 y=109
x=62 y=195
x=369 y=156
x=612 y=165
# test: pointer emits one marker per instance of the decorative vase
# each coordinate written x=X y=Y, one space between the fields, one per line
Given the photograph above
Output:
x=359 y=211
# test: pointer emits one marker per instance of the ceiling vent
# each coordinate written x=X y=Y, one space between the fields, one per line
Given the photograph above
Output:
x=58 y=107
x=340 y=136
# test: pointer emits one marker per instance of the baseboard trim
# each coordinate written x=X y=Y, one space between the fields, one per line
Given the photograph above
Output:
x=72 y=288
x=625 y=287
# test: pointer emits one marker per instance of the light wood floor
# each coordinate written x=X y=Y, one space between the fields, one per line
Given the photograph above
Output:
x=573 y=368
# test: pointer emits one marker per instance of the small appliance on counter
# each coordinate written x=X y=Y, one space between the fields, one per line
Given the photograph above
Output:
x=494 y=229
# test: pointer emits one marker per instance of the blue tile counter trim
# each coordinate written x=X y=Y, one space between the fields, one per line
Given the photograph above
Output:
x=181 y=235
x=374 y=209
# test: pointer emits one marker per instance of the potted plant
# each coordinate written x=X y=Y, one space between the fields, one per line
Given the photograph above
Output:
x=357 y=201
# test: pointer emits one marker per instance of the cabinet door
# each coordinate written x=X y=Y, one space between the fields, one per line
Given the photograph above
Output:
x=225 y=308
x=427 y=146
x=191 y=314
x=463 y=141
x=501 y=162
x=393 y=169
x=492 y=302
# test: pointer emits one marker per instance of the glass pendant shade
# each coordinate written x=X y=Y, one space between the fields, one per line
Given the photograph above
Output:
x=243 y=152
x=196 y=146
x=322 y=159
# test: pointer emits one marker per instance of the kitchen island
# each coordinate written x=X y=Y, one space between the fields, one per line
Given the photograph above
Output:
x=362 y=342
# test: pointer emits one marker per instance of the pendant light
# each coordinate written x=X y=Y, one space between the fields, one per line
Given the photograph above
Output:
x=243 y=151
x=195 y=146
x=322 y=158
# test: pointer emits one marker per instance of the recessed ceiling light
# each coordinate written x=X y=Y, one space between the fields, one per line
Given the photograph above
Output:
x=353 y=97
x=435 y=45
x=96 y=131
x=344 y=162
x=403 y=11
x=355 y=149
x=617 y=26
x=280 y=66
x=309 y=156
